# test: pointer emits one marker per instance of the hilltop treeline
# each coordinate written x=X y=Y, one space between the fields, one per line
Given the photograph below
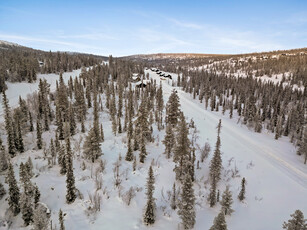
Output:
x=18 y=63
x=234 y=85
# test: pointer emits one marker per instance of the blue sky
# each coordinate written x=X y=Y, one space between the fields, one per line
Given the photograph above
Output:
x=135 y=27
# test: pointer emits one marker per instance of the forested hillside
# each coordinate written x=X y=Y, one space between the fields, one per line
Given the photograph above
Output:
x=19 y=63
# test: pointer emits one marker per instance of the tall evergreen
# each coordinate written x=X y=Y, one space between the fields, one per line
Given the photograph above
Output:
x=62 y=105
x=173 y=109
x=3 y=158
x=31 y=128
x=159 y=106
x=72 y=121
x=19 y=136
x=39 y=141
x=303 y=145
x=212 y=195
x=14 y=194
x=219 y=222
x=70 y=178
x=169 y=140
x=26 y=207
x=241 y=195
x=91 y=146
x=216 y=162
x=129 y=154
x=142 y=123
x=182 y=150
x=187 y=204
x=297 y=222
x=61 y=220
x=174 y=198
x=2 y=191
x=62 y=160
x=143 y=152
x=149 y=215
x=227 y=201
x=9 y=126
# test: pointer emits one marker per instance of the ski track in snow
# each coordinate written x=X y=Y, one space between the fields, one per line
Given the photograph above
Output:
x=228 y=128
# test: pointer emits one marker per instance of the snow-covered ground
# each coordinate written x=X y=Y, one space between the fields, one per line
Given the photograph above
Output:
x=276 y=177
x=16 y=89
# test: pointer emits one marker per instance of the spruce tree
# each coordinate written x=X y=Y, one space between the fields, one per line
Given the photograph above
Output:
x=149 y=215
x=169 y=140
x=91 y=146
x=303 y=145
x=212 y=195
x=72 y=121
x=3 y=158
x=297 y=222
x=182 y=150
x=9 y=127
x=227 y=201
x=143 y=152
x=31 y=129
x=174 y=198
x=159 y=106
x=14 y=194
x=216 y=162
x=219 y=222
x=19 y=136
x=62 y=160
x=61 y=220
x=37 y=195
x=26 y=207
x=39 y=141
x=2 y=191
x=187 y=204
x=40 y=218
x=70 y=178
x=241 y=195
x=129 y=154
x=142 y=123
x=173 y=109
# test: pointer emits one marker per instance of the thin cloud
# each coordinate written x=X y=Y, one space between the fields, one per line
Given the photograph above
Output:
x=185 y=24
x=90 y=36
x=64 y=44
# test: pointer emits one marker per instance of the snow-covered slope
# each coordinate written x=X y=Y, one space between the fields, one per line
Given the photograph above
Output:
x=24 y=88
x=276 y=177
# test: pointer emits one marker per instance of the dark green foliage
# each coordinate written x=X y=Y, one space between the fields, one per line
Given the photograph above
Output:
x=2 y=191
x=149 y=215
x=182 y=150
x=9 y=127
x=169 y=140
x=187 y=204
x=129 y=154
x=70 y=178
x=227 y=201
x=297 y=222
x=61 y=220
x=219 y=222
x=173 y=109
x=39 y=141
x=241 y=195
x=14 y=194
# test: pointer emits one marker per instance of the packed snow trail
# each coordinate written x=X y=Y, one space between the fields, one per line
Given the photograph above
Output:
x=230 y=128
x=276 y=179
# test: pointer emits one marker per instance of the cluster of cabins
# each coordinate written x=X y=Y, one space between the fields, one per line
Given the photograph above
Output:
x=140 y=82
x=162 y=75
